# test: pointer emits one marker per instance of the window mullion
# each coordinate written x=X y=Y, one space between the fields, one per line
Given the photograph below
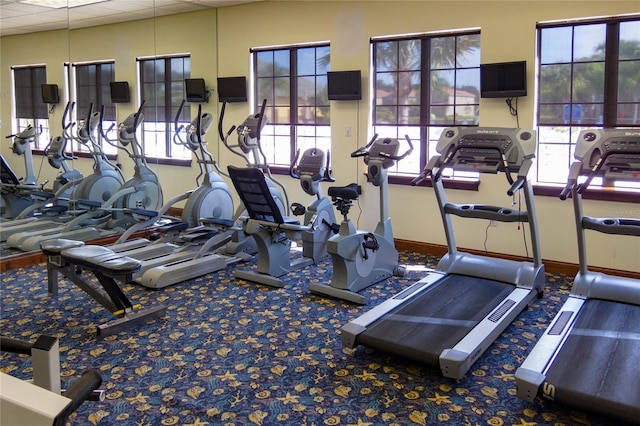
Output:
x=293 y=101
x=167 y=105
x=425 y=107
x=612 y=53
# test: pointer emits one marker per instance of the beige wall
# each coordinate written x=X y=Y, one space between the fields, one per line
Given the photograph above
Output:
x=219 y=43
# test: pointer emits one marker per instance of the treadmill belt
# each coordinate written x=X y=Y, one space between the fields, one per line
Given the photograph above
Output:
x=598 y=367
x=437 y=319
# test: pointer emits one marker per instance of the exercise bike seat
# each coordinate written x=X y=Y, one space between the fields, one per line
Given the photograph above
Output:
x=349 y=192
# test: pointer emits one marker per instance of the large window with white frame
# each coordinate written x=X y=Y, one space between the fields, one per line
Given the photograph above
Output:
x=589 y=74
x=28 y=105
x=162 y=89
x=293 y=81
x=423 y=84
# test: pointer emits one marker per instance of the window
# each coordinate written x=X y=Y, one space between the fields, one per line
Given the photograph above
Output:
x=293 y=81
x=589 y=74
x=91 y=82
x=162 y=90
x=423 y=84
x=29 y=107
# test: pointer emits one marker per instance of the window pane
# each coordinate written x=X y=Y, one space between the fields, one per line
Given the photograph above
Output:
x=629 y=114
x=177 y=69
x=442 y=87
x=553 y=114
x=589 y=42
x=281 y=63
x=306 y=61
x=323 y=59
x=555 y=83
x=306 y=90
x=408 y=88
x=468 y=51
x=443 y=52
x=442 y=115
x=323 y=116
x=322 y=97
x=386 y=89
x=264 y=64
x=409 y=115
x=555 y=45
x=265 y=90
x=588 y=82
x=630 y=40
x=553 y=164
x=306 y=115
x=628 y=80
x=387 y=56
x=386 y=115
x=282 y=90
x=409 y=55
x=468 y=86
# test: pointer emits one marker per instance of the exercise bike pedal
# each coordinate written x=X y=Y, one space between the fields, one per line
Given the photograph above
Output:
x=399 y=271
x=298 y=209
x=370 y=242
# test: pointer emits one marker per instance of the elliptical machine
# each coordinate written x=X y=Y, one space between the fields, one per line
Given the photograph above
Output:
x=107 y=217
x=362 y=258
x=15 y=191
x=148 y=192
x=56 y=202
x=106 y=178
x=248 y=148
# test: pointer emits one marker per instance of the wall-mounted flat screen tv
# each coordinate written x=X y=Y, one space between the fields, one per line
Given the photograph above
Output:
x=232 y=89
x=503 y=79
x=196 y=90
x=344 y=85
x=119 y=92
x=50 y=94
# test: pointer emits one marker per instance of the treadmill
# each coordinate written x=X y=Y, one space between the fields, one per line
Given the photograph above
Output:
x=588 y=357
x=451 y=316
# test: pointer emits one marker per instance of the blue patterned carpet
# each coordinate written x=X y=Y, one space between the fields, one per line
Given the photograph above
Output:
x=231 y=353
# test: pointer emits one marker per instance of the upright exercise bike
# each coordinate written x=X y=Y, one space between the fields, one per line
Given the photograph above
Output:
x=362 y=258
x=312 y=169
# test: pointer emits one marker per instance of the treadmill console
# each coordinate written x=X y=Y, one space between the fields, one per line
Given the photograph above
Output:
x=486 y=149
x=612 y=153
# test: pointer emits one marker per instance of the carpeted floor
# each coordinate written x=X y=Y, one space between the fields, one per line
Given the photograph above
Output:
x=232 y=353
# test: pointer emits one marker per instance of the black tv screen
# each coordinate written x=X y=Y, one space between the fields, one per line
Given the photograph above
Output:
x=344 y=85
x=232 y=89
x=196 y=90
x=50 y=94
x=503 y=79
x=119 y=92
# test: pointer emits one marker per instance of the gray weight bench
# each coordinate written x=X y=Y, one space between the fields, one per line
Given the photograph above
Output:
x=71 y=258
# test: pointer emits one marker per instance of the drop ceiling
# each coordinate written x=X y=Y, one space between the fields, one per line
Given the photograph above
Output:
x=17 y=17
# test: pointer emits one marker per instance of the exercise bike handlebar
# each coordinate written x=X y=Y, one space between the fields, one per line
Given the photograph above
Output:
x=400 y=157
x=364 y=151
